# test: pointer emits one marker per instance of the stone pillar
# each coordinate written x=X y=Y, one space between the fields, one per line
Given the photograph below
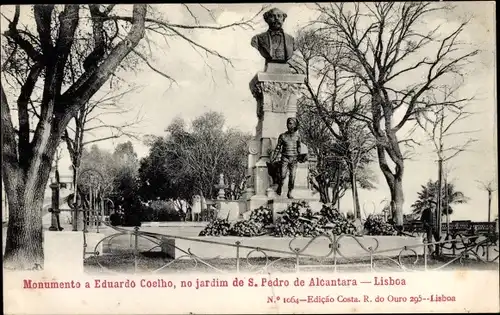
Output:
x=5 y=206
x=54 y=208
x=253 y=149
x=276 y=92
x=276 y=95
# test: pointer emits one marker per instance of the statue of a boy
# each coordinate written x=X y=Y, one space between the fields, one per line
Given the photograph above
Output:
x=289 y=146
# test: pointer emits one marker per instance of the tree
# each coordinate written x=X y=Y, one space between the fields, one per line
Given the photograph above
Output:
x=397 y=61
x=428 y=197
x=330 y=94
x=439 y=123
x=35 y=65
x=101 y=164
x=125 y=184
x=118 y=176
x=209 y=150
x=331 y=176
x=188 y=162
x=89 y=119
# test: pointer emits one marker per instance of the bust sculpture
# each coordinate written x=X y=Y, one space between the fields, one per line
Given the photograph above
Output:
x=274 y=45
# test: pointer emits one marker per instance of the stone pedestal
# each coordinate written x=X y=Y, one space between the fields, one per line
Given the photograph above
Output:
x=276 y=91
x=63 y=252
x=94 y=245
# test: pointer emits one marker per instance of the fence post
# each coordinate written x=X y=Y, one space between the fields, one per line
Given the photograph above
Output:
x=84 y=245
x=136 y=247
x=238 y=256
x=425 y=256
x=334 y=244
x=297 y=260
x=371 y=259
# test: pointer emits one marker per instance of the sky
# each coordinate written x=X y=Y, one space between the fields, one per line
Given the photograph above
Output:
x=205 y=84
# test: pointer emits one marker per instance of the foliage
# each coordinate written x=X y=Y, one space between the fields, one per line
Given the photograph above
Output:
x=375 y=225
x=115 y=219
x=55 y=58
x=289 y=225
x=160 y=210
x=299 y=220
x=342 y=144
x=247 y=228
x=296 y=220
x=262 y=215
x=386 y=72
x=427 y=198
x=336 y=221
x=216 y=227
x=119 y=171
x=189 y=160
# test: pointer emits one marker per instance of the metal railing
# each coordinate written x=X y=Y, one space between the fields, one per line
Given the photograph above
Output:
x=459 y=249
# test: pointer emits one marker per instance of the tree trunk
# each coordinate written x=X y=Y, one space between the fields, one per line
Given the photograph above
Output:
x=322 y=187
x=26 y=172
x=358 y=206
x=355 y=199
x=395 y=183
x=397 y=201
x=23 y=248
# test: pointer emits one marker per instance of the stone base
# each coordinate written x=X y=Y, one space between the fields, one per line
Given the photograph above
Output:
x=230 y=209
x=256 y=202
x=92 y=239
x=63 y=252
x=348 y=246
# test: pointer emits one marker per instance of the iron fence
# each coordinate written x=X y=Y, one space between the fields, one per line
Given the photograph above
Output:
x=457 y=249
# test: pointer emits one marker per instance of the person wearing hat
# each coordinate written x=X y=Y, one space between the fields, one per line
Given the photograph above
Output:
x=428 y=218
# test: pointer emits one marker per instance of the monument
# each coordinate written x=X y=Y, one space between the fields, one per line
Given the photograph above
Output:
x=276 y=91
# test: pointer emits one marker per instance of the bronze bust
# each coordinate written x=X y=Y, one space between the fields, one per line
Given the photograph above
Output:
x=274 y=45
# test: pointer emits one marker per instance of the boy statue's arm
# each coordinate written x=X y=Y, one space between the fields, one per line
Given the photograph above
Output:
x=274 y=155
x=299 y=141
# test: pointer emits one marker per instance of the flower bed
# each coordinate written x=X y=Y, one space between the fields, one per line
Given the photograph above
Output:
x=296 y=220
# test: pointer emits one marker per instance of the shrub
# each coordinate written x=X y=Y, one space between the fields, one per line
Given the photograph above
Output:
x=262 y=215
x=161 y=210
x=216 y=227
x=115 y=219
x=246 y=228
x=131 y=219
x=298 y=220
x=375 y=225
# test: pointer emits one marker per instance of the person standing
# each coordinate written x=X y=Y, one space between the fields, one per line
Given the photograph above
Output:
x=428 y=218
x=196 y=208
x=204 y=209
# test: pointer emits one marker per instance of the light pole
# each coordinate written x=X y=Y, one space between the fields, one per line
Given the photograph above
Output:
x=446 y=205
x=439 y=204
